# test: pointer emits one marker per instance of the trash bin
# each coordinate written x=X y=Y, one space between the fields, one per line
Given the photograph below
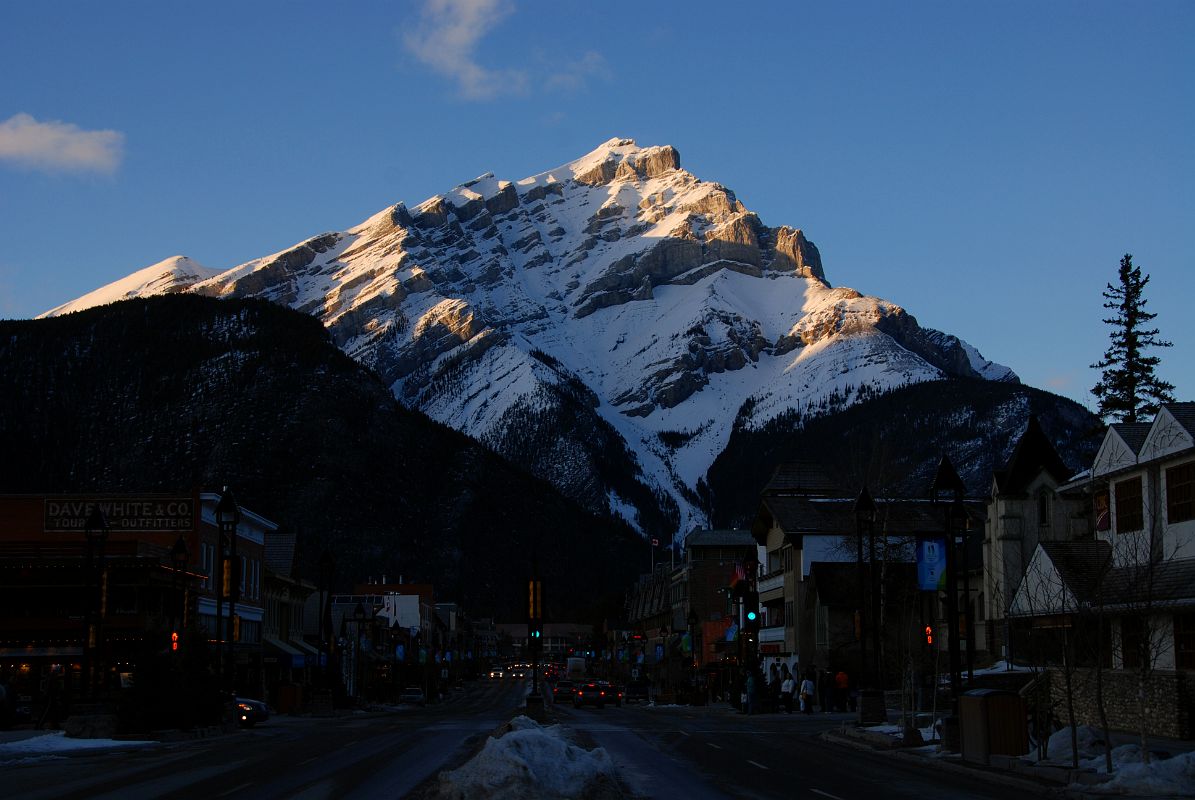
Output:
x=992 y=722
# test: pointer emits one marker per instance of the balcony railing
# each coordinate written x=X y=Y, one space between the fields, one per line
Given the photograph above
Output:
x=772 y=634
x=770 y=582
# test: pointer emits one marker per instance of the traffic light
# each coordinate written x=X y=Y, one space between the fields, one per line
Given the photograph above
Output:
x=929 y=635
x=174 y=641
x=751 y=610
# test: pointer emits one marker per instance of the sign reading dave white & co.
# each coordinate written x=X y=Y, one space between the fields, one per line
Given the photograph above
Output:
x=130 y=513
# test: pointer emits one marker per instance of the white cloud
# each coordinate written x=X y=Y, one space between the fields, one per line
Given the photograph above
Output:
x=59 y=146
x=576 y=74
x=446 y=40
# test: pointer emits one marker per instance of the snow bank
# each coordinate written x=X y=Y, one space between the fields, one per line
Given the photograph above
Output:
x=1162 y=777
x=58 y=742
x=530 y=761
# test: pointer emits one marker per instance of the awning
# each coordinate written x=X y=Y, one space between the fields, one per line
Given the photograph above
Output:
x=286 y=653
x=303 y=647
x=40 y=652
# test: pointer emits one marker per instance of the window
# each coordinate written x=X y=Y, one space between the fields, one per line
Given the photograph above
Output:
x=1184 y=640
x=1132 y=639
x=822 y=625
x=1043 y=508
x=1180 y=493
x=1129 y=513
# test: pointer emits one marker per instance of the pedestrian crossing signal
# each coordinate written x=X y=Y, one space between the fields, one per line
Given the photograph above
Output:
x=174 y=640
x=929 y=634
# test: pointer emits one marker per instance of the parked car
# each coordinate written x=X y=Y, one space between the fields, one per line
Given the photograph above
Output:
x=412 y=695
x=639 y=691
x=589 y=694
x=563 y=691
x=614 y=693
x=250 y=711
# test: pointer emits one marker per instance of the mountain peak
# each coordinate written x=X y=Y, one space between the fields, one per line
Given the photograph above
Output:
x=173 y=274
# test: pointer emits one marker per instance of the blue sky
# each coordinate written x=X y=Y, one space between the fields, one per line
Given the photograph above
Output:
x=984 y=165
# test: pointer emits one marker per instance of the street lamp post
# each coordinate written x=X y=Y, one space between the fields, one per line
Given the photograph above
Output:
x=947 y=492
x=871 y=691
x=360 y=618
x=227 y=517
x=865 y=511
x=96 y=531
x=326 y=565
x=179 y=556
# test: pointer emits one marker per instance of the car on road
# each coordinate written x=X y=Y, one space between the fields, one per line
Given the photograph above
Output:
x=614 y=693
x=412 y=695
x=589 y=694
x=563 y=691
x=250 y=711
x=496 y=672
x=638 y=691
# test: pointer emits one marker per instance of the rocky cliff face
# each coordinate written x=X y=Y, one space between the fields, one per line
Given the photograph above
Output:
x=578 y=319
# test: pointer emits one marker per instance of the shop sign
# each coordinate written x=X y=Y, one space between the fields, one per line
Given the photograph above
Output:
x=124 y=514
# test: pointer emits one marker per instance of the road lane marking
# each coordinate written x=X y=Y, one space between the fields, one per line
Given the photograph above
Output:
x=682 y=733
x=756 y=764
x=308 y=761
x=716 y=747
x=826 y=794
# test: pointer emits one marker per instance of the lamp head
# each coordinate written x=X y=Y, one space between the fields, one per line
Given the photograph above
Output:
x=227 y=512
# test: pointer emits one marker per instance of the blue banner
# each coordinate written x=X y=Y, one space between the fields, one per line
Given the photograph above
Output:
x=931 y=564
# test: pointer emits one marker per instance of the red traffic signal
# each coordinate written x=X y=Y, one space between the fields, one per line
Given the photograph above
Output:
x=929 y=634
x=174 y=640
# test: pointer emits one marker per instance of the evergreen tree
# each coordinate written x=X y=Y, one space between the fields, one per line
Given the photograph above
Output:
x=1128 y=388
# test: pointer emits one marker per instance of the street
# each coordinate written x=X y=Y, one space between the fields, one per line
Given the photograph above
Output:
x=662 y=751
x=713 y=753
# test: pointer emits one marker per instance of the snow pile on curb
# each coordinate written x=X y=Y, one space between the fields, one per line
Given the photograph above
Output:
x=1131 y=775
x=55 y=743
x=530 y=761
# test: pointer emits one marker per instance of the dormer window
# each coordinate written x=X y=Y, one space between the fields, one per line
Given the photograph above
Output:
x=1130 y=515
x=1043 y=508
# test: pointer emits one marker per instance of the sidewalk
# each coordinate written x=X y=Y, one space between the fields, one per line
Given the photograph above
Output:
x=1170 y=773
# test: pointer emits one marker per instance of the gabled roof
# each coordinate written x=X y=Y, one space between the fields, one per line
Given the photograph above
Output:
x=1081 y=565
x=801 y=478
x=1132 y=433
x=836 y=516
x=1165 y=583
x=1184 y=414
x=1033 y=454
x=720 y=538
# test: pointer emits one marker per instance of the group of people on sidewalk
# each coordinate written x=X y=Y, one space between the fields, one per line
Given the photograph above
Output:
x=824 y=690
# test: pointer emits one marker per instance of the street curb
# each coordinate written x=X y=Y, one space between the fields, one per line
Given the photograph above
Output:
x=853 y=737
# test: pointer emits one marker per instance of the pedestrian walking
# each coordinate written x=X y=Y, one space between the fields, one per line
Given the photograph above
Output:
x=786 y=693
x=807 y=690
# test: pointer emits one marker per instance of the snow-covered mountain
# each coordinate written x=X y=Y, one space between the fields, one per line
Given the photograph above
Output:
x=604 y=323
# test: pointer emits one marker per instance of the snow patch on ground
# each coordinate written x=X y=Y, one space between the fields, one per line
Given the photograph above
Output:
x=57 y=742
x=530 y=761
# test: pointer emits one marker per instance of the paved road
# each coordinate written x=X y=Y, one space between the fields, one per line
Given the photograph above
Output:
x=715 y=753
x=351 y=757
x=661 y=752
